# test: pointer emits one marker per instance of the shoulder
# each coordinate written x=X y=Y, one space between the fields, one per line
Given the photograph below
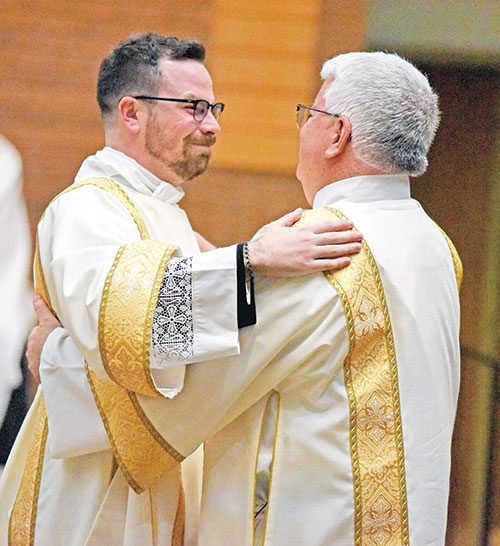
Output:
x=313 y=216
x=85 y=207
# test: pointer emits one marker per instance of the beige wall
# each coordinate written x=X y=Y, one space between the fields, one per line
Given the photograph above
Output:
x=455 y=32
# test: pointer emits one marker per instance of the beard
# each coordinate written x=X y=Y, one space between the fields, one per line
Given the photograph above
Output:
x=192 y=161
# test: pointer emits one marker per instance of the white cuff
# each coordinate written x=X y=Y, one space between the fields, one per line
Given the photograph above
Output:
x=199 y=316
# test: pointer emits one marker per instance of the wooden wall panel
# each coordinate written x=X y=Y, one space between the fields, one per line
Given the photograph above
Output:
x=256 y=47
x=263 y=57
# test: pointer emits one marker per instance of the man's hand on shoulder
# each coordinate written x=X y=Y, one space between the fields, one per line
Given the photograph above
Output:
x=284 y=252
x=46 y=323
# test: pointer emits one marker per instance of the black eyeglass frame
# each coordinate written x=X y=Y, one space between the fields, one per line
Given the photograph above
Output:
x=216 y=108
x=303 y=106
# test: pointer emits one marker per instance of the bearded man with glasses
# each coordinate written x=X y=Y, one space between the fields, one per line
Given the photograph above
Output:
x=119 y=264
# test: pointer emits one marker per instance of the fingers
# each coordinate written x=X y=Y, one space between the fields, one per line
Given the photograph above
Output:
x=40 y=308
x=338 y=238
x=204 y=245
x=327 y=252
x=341 y=224
x=44 y=314
x=33 y=354
x=289 y=219
x=332 y=264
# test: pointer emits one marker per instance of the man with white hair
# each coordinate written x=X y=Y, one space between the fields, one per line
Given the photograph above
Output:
x=334 y=424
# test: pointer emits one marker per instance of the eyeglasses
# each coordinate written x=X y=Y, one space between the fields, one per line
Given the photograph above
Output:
x=200 y=106
x=304 y=113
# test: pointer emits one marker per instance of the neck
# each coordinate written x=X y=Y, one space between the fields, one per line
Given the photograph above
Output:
x=339 y=172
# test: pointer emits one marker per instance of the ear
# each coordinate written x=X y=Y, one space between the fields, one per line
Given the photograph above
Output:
x=340 y=136
x=130 y=114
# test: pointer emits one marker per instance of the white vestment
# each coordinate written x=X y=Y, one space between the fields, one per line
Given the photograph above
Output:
x=15 y=248
x=328 y=458
x=343 y=395
x=81 y=499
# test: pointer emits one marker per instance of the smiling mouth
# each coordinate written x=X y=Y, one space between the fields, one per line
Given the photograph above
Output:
x=206 y=143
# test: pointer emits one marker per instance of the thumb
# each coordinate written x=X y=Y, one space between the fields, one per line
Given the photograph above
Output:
x=42 y=311
x=289 y=219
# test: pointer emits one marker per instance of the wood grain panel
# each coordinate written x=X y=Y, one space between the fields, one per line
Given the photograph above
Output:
x=255 y=48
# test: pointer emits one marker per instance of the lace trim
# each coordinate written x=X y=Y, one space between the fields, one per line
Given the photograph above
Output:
x=172 y=334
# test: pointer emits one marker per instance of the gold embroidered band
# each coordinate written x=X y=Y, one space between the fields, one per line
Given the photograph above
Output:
x=23 y=516
x=140 y=451
x=126 y=316
x=371 y=379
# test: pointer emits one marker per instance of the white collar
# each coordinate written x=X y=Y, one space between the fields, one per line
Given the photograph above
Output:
x=111 y=163
x=364 y=189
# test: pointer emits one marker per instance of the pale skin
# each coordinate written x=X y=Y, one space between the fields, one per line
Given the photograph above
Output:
x=164 y=138
x=326 y=153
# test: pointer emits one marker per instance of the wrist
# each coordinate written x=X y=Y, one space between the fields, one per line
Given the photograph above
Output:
x=253 y=254
x=247 y=261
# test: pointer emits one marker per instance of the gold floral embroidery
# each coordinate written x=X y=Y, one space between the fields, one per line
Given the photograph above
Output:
x=23 y=516
x=126 y=316
x=371 y=378
x=140 y=451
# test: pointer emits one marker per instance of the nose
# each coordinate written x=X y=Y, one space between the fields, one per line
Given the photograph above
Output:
x=210 y=125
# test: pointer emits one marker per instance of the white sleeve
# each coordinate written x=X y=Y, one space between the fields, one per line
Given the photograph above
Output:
x=196 y=316
x=75 y=426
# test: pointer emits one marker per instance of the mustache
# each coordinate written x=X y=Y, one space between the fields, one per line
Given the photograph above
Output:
x=208 y=140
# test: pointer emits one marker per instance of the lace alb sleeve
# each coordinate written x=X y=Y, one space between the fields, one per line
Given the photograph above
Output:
x=196 y=313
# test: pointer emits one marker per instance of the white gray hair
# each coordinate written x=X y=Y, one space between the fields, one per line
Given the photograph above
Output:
x=392 y=109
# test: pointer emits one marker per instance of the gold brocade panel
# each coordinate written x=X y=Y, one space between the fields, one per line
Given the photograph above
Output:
x=371 y=379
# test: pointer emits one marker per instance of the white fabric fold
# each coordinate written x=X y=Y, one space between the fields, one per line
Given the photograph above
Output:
x=75 y=426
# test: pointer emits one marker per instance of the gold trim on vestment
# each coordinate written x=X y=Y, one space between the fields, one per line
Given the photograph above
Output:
x=23 y=516
x=371 y=379
x=126 y=316
x=40 y=285
x=457 y=263
x=272 y=395
x=140 y=451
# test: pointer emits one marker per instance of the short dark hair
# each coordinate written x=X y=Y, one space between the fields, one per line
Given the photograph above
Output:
x=132 y=67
